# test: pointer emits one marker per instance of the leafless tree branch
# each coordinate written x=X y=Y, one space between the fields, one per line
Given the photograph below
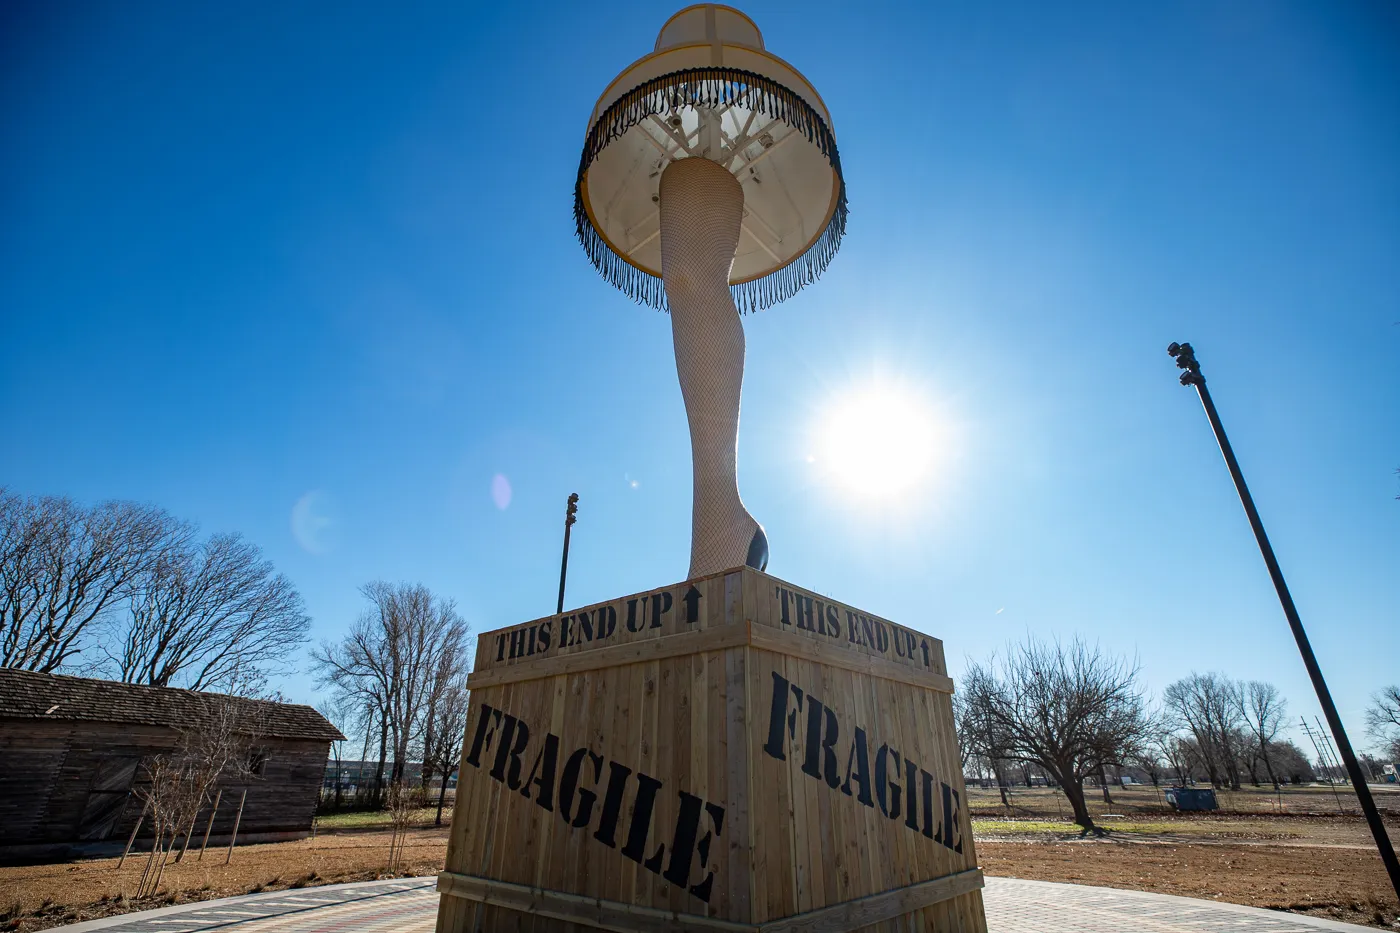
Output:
x=64 y=567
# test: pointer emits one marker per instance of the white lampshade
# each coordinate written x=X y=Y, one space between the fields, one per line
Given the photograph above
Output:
x=774 y=134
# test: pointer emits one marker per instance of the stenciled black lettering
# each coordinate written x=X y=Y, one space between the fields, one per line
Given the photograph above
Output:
x=951 y=820
x=887 y=788
x=683 y=840
x=701 y=889
x=607 y=621
x=640 y=828
x=822 y=732
x=546 y=628
x=485 y=731
x=776 y=746
x=833 y=621
x=585 y=625
x=612 y=804
x=899 y=782
x=783 y=605
x=858 y=769
x=684 y=846
x=569 y=787
x=509 y=751
x=635 y=623
x=660 y=605
x=578 y=793
x=803 y=606
x=911 y=794
x=928 y=807
x=542 y=773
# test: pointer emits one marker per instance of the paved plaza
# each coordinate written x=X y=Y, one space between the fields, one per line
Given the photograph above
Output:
x=409 y=906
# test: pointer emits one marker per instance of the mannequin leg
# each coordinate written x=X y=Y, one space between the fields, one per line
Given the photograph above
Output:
x=701 y=208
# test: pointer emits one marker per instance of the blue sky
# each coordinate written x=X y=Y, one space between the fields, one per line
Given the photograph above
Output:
x=323 y=254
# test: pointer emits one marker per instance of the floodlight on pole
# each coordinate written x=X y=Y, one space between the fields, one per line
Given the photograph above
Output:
x=570 y=516
x=1191 y=376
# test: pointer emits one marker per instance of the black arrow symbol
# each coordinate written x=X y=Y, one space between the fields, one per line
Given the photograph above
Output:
x=692 y=603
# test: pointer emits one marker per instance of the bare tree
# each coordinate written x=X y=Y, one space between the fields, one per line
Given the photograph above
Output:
x=443 y=751
x=1152 y=754
x=337 y=715
x=405 y=801
x=1291 y=764
x=218 y=744
x=64 y=566
x=1263 y=709
x=1209 y=706
x=980 y=730
x=1069 y=708
x=211 y=616
x=390 y=658
x=963 y=726
x=1383 y=719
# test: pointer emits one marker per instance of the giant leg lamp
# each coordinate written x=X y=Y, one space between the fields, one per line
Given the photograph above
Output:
x=710 y=185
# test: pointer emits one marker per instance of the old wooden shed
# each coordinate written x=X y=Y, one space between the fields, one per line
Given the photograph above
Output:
x=71 y=750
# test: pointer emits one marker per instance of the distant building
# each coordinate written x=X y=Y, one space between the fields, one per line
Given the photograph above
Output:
x=71 y=750
x=357 y=777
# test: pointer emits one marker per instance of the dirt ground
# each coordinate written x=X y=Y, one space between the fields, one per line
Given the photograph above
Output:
x=1339 y=884
x=1291 y=855
x=37 y=897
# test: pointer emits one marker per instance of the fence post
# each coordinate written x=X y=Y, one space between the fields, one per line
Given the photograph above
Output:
x=203 y=845
x=236 y=821
x=134 y=830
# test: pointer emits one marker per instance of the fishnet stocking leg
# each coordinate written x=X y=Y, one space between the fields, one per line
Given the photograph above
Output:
x=701 y=208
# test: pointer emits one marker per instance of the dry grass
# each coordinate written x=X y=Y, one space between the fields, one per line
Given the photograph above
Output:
x=1047 y=803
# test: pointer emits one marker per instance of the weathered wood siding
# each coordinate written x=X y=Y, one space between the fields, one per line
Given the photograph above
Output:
x=720 y=754
x=67 y=783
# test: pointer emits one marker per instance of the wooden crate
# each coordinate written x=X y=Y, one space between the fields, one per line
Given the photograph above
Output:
x=730 y=753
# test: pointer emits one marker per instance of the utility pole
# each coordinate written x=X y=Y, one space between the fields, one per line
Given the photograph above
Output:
x=570 y=516
x=1186 y=360
x=1333 y=765
x=1323 y=764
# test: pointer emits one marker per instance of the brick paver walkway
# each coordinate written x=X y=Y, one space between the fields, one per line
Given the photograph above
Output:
x=410 y=905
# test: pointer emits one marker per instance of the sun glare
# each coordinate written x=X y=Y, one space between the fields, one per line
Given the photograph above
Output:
x=879 y=443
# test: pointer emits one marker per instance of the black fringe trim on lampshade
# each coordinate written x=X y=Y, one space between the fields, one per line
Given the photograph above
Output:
x=711 y=88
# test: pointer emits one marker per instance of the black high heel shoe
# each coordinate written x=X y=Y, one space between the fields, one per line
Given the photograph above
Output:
x=758 y=551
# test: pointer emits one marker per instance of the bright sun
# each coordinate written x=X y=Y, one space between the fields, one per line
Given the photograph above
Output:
x=878 y=443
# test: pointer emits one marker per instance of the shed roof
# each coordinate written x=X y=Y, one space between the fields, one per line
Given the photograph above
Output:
x=27 y=695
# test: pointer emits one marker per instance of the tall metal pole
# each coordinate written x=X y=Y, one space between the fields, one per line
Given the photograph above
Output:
x=1186 y=359
x=569 y=519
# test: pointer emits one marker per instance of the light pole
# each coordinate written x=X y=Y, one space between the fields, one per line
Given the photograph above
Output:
x=570 y=516
x=1186 y=360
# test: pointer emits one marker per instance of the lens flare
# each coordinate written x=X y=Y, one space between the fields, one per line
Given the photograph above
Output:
x=500 y=491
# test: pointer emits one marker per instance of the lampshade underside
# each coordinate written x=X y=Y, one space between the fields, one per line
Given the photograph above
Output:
x=764 y=122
